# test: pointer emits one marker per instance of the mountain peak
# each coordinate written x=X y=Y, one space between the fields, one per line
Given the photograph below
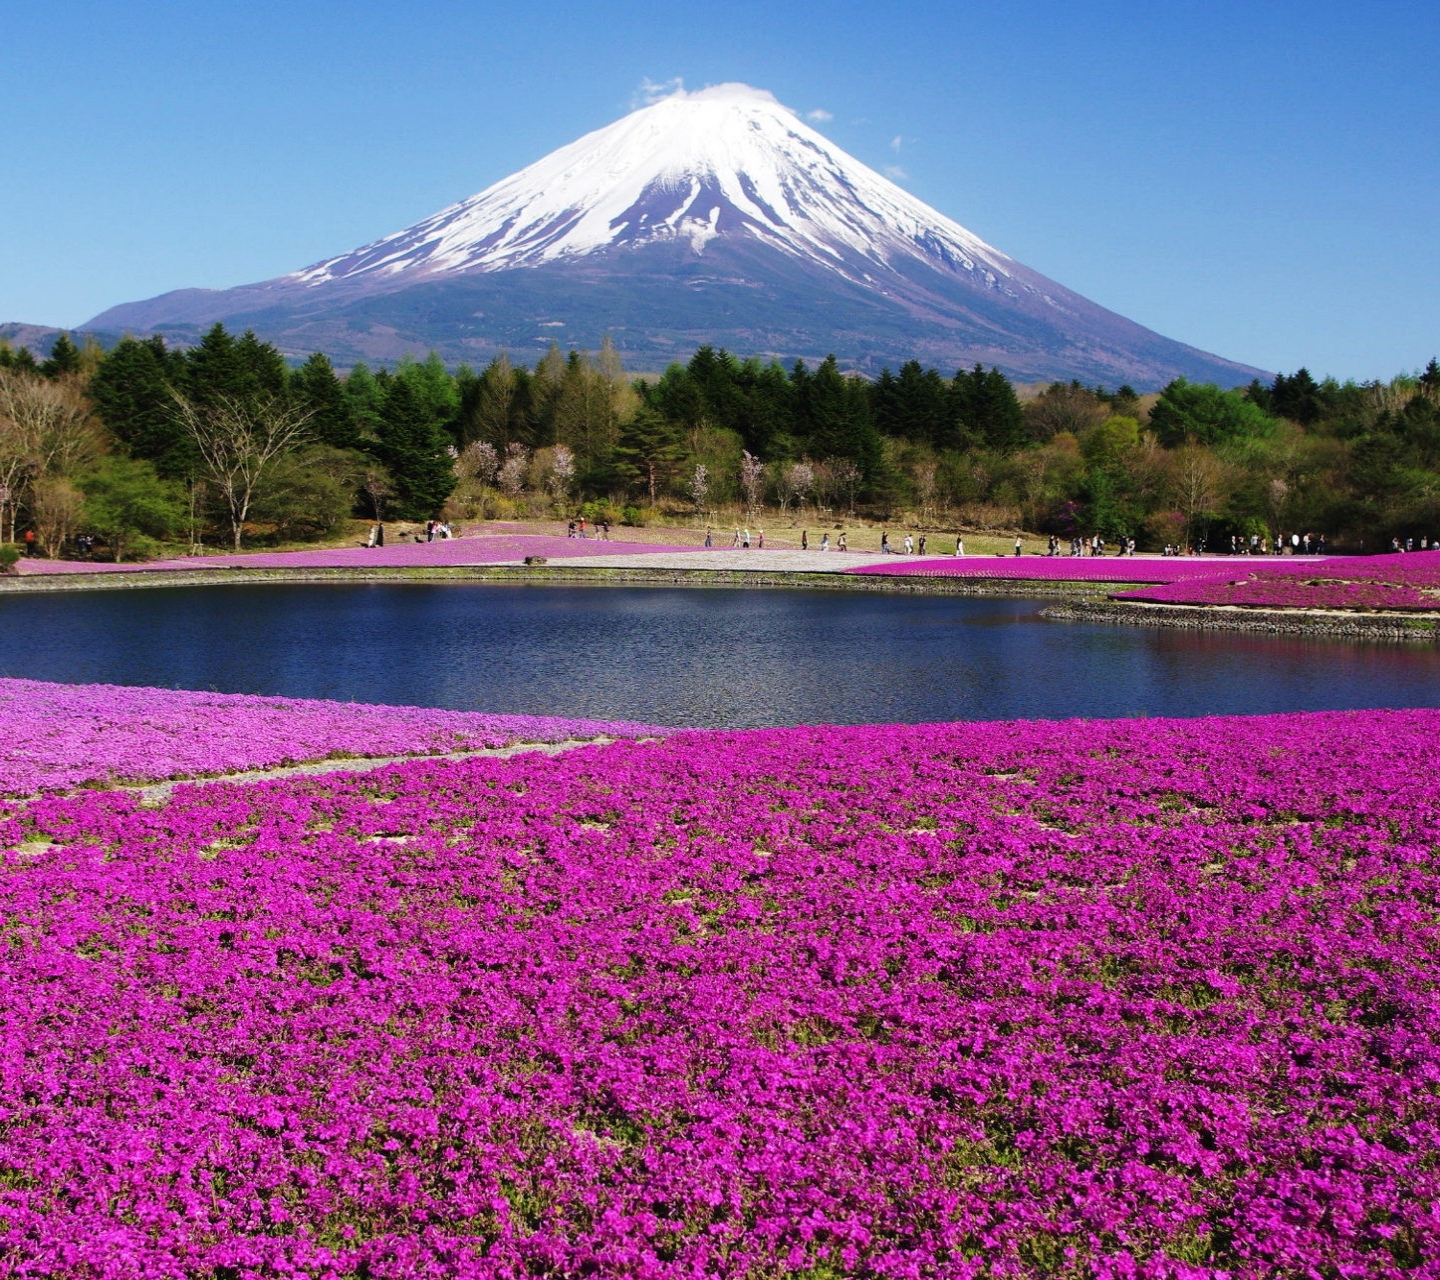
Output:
x=727 y=160
x=709 y=216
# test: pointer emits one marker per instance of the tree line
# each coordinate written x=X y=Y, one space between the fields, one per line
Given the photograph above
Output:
x=227 y=441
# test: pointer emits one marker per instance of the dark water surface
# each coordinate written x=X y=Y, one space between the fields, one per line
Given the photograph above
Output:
x=687 y=657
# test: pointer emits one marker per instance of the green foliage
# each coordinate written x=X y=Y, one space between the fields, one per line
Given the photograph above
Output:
x=9 y=557
x=414 y=448
x=985 y=410
x=310 y=494
x=132 y=393
x=315 y=388
x=125 y=501
x=1200 y=413
x=64 y=358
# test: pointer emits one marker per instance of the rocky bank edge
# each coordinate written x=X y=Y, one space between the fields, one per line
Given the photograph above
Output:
x=1341 y=624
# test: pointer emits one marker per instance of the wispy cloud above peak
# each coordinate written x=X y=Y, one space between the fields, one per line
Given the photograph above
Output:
x=820 y=115
x=653 y=91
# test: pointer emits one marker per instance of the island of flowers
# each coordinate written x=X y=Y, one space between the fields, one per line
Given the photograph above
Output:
x=1052 y=568
x=1113 y=999
x=58 y=736
x=1406 y=582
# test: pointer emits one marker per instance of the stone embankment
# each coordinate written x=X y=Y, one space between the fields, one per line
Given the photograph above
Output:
x=1348 y=625
x=657 y=575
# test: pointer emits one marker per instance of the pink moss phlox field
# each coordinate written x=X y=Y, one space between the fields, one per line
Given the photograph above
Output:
x=1053 y=568
x=489 y=549
x=58 y=736
x=1409 y=581
x=1113 y=999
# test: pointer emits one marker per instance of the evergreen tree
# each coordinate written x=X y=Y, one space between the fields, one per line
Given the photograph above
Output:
x=649 y=452
x=64 y=358
x=316 y=389
x=984 y=409
x=364 y=397
x=132 y=393
x=415 y=451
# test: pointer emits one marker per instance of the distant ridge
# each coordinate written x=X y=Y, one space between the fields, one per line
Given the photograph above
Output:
x=710 y=217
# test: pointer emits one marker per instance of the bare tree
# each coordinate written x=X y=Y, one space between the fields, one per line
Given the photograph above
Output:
x=1197 y=478
x=845 y=475
x=925 y=487
x=56 y=505
x=47 y=429
x=378 y=488
x=238 y=440
x=752 y=481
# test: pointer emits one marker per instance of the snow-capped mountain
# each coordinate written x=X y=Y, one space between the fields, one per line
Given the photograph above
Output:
x=725 y=161
x=716 y=216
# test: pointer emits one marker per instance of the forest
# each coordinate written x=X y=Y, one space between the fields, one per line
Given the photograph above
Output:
x=226 y=443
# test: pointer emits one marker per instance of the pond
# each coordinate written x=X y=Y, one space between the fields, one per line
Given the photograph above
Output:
x=713 y=658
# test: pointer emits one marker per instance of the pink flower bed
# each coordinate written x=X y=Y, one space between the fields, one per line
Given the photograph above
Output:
x=487 y=549
x=1053 y=568
x=1410 y=581
x=1114 y=999
x=60 y=736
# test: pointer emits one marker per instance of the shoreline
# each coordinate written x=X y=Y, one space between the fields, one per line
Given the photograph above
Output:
x=1320 y=623
x=557 y=575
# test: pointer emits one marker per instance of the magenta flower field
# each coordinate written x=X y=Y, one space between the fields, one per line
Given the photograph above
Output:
x=1408 y=581
x=487 y=549
x=58 y=736
x=1110 y=999
x=1053 y=568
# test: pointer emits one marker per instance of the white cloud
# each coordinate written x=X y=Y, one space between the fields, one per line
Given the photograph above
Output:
x=896 y=142
x=653 y=91
x=819 y=115
x=896 y=172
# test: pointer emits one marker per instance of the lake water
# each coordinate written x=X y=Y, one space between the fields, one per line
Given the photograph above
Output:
x=687 y=657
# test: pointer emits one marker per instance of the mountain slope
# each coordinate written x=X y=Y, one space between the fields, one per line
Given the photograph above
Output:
x=717 y=217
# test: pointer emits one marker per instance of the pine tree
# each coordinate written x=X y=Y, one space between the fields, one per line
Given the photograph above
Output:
x=316 y=388
x=64 y=358
x=649 y=452
x=132 y=393
x=416 y=453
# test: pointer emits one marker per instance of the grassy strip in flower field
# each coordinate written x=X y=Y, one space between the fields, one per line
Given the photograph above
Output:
x=61 y=736
x=1408 y=582
x=1130 y=998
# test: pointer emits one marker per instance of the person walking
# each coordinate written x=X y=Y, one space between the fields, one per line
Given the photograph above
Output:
x=909 y=545
x=885 y=544
x=760 y=539
x=824 y=542
x=959 y=544
x=841 y=546
x=1019 y=545
x=709 y=541
x=922 y=544
x=805 y=540
x=745 y=541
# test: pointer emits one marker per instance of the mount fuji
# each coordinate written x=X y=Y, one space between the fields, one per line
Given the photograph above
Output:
x=716 y=217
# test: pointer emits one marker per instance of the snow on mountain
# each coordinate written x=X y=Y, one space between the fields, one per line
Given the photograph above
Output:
x=714 y=217
x=727 y=160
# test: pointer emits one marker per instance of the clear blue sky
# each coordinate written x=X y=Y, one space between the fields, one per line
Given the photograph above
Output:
x=1261 y=180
